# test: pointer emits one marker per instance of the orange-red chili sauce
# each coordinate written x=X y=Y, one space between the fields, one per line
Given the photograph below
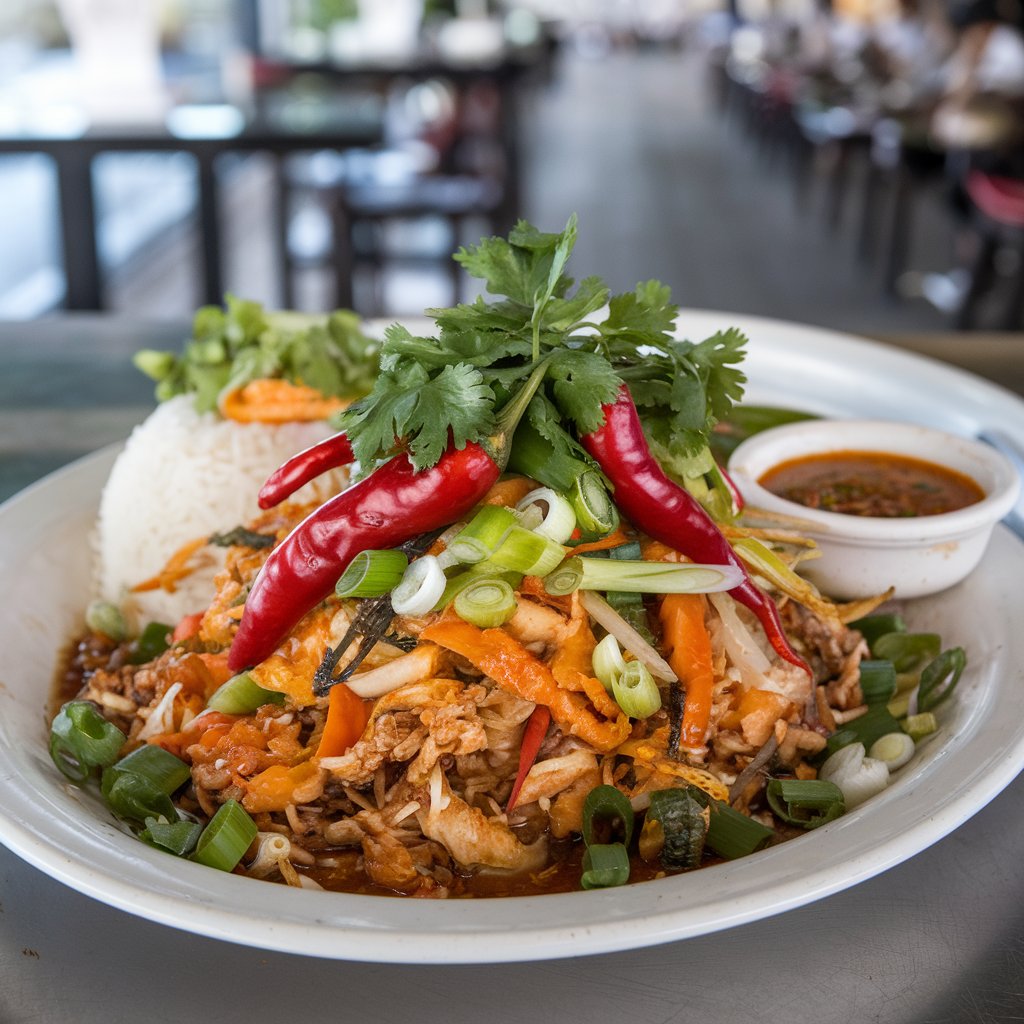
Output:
x=879 y=484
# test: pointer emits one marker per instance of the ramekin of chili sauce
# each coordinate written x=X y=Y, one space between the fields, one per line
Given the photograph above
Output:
x=889 y=504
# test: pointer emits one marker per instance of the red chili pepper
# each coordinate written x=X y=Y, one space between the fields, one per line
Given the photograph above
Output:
x=387 y=508
x=392 y=505
x=533 y=736
x=328 y=454
x=669 y=513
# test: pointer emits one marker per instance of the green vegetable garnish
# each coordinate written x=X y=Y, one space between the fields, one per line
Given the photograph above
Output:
x=242 y=342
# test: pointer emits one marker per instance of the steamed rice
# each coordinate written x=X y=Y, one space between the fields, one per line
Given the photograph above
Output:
x=184 y=475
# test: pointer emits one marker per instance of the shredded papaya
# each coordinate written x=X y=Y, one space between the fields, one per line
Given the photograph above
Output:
x=501 y=657
x=613 y=540
x=347 y=715
x=270 y=400
x=687 y=644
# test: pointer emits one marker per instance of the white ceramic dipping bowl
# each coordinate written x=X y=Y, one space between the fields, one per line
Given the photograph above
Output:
x=864 y=555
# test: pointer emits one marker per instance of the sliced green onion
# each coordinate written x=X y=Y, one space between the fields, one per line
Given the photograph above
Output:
x=106 y=618
x=907 y=651
x=875 y=723
x=894 y=750
x=684 y=824
x=939 y=678
x=372 y=574
x=566 y=578
x=808 y=803
x=920 y=725
x=135 y=797
x=225 y=840
x=481 y=571
x=528 y=553
x=607 y=809
x=604 y=866
x=152 y=642
x=595 y=511
x=155 y=765
x=179 y=837
x=641 y=577
x=486 y=603
x=858 y=776
x=877 y=681
x=482 y=536
x=81 y=739
x=732 y=834
x=627 y=635
x=608 y=661
x=241 y=695
x=558 y=518
x=872 y=627
x=636 y=692
x=629 y=604
x=421 y=588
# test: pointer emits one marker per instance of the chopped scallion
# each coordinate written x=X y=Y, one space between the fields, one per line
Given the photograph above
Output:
x=486 y=603
x=81 y=739
x=607 y=812
x=372 y=574
x=106 y=618
x=608 y=661
x=528 y=553
x=241 y=695
x=635 y=691
x=874 y=626
x=907 y=651
x=939 y=678
x=151 y=643
x=421 y=587
x=179 y=837
x=595 y=511
x=732 y=834
x=920 y=725
x=482 y=536
x=224 y=841
x=877 y=681
x=808 y=803
x=894 y=750
x=558 y=520
x=605 y=865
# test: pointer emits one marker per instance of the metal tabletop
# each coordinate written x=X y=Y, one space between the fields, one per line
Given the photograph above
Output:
x=936 y=940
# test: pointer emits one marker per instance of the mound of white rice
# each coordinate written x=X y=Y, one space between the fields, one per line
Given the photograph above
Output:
x=184 y=475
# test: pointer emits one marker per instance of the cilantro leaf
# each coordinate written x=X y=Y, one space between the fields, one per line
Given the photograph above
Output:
x=645 y=315
x=409 y=405
x=582 y=383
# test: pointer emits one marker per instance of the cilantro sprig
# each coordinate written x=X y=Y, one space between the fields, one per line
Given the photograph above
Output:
x=453 y=386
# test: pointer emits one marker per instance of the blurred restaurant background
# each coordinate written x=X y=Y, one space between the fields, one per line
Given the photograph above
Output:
x=856 y=164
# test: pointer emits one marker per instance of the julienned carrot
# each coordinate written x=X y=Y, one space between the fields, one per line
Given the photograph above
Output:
x=509 y=491
x=277 y=401
x=613 y=540
x=175 y=570
x=187 y=628
x=688 y=646
x=501 y=657
x=347 y=715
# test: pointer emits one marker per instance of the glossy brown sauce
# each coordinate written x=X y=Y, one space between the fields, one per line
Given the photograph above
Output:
x=878 y=484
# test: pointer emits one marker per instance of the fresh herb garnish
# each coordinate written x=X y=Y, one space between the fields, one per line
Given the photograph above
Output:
x=242 y=342
x=451 y=387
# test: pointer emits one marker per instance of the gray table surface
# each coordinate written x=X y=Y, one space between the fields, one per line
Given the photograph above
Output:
x=939 y=938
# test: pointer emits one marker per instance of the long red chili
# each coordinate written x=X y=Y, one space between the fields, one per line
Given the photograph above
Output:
x=307 y=465
x=387 y=508
x=669 y=513
x=533 y=736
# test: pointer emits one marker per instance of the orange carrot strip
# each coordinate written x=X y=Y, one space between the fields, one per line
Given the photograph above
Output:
x=613 y=540
x=347 y=715
x=187 y=628
x=277 y=401
x=688 y=644
x=176 y=568
x=509 y=491
x=514 y=668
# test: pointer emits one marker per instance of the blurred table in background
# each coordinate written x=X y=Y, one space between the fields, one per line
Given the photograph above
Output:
x=937 y=938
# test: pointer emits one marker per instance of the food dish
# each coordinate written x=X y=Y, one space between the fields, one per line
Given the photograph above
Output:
x=975 y=764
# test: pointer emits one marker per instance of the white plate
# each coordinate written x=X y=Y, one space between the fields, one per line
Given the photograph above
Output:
x=66 y=832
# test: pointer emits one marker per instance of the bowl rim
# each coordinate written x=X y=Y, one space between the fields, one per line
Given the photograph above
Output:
x=757 y=454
